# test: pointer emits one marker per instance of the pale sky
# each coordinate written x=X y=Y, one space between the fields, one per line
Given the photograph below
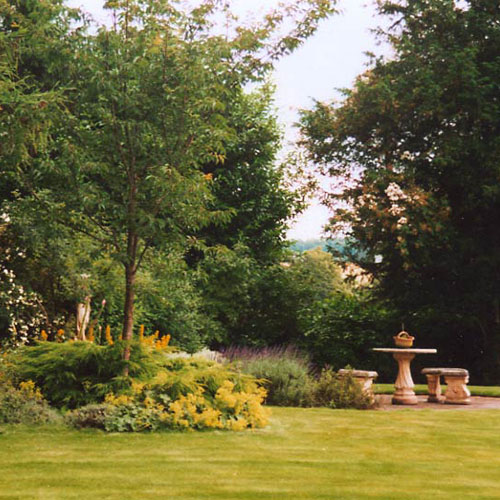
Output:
x=330 y=59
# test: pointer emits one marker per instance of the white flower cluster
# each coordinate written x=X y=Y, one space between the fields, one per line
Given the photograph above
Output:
x=401 y=222
x=406 y=155
x=367 y=200
x=396 y=196
x=21 y=307
x=395 y=193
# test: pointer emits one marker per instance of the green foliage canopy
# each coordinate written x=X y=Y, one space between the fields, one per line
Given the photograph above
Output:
x=418 y=138
x=145 y=108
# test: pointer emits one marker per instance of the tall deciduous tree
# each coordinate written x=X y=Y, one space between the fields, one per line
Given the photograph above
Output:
x=419 y=139
x=146 y=101
x=250 y=183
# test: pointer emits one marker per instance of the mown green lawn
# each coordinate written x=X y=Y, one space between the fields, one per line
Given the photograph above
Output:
x=304 y=453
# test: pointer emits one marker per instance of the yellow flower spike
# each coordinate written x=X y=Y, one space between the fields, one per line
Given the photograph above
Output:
x=109 y=338
x=60 y=335
x=158 y=344
x=43 y=335
x=91 y=334
x=141 y=333
x=156 y=334
x=167 y=339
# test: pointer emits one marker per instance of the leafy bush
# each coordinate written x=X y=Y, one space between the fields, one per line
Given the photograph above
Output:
x=93 y=415
x=189 y=394
x=284 y=371
x=344 y=328
x=265 y=303
x=118 y=414
x=334 y=391
x=24 y=405
x=161 y=391
x=74 y=374
x=182 y=376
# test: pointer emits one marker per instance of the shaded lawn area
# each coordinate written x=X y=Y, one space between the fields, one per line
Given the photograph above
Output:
x=304 y=453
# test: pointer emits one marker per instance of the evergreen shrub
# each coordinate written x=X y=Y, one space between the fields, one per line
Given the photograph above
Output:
x=73 y=374
x=343 y=329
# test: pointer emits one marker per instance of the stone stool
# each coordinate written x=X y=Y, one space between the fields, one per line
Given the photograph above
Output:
x=363 y=378
x=455 y=378
x=433 y=384
x=457 y=393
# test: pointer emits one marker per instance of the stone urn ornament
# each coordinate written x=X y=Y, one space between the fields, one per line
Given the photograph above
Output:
x=403 y=339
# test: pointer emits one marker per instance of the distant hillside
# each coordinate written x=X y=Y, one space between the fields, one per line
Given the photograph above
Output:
x=303 y=245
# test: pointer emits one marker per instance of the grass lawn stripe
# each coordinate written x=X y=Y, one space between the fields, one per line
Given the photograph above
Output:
x=303 y=454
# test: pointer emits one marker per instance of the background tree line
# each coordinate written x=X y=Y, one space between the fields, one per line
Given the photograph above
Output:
x=419 y=138
x=137 y=168
x=140 y=171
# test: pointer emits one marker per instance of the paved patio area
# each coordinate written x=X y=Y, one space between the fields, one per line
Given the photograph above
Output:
x=383 y=402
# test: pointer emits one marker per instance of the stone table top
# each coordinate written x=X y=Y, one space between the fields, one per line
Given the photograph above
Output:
x=405 y=349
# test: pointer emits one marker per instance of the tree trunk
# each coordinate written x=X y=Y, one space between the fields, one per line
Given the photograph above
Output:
x=128 y=313
x=128 y=316
x=130 y=269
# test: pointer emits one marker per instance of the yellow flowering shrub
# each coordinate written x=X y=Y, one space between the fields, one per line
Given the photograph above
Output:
x=244 y=409
x=230 y=410
x=191 y=395
x=194 y=411
x=154 y=340
x=115 y=400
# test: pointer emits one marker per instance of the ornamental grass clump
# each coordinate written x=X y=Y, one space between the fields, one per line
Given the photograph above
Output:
x=285 y=372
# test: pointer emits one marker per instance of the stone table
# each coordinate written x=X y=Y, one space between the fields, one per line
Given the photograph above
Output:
x=404 y=393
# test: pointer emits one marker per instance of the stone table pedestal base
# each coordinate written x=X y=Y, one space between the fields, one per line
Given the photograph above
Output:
x=404 y=394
